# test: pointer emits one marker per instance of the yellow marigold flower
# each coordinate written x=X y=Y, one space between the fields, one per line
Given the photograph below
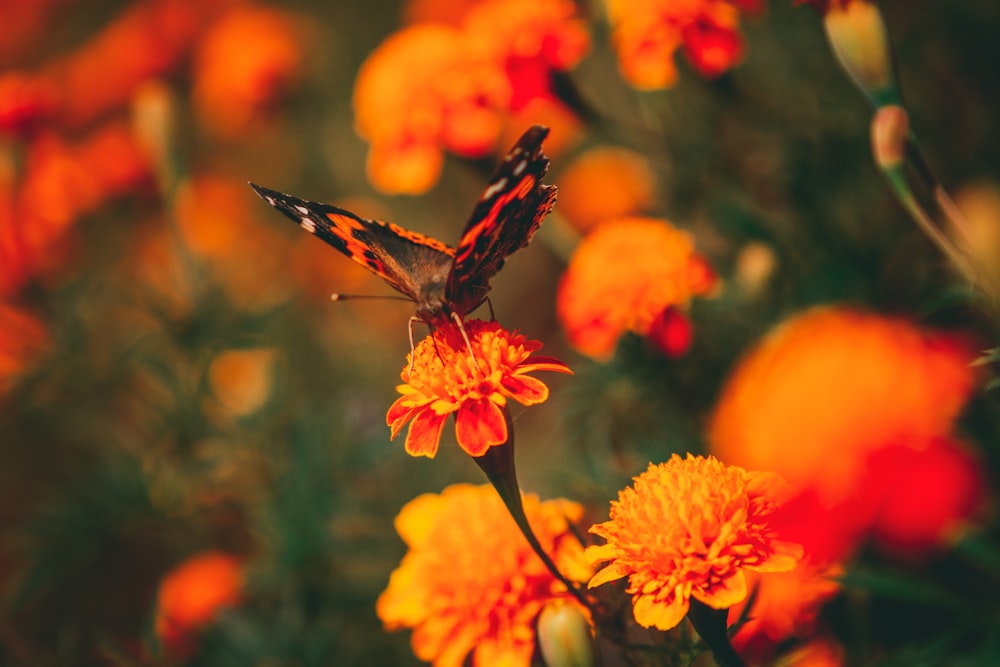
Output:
x=628 y=275
x=471 y=583
x=690 y=528
x=446 y=379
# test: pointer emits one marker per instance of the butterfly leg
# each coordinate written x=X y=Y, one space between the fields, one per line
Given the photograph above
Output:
x=489 y=304
x=413 y=356
x=465 y=337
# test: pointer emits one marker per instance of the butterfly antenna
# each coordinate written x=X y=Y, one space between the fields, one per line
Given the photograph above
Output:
x=465 y=336
x=413 y=356
x=337 y=296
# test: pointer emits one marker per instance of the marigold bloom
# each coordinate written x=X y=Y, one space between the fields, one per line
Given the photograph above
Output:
x=192 y=595
x=241 y=380
x=626 y=276
x=647 y=33
x=234 y=86
x=690 y=528
x=435 y=87
x=603 y=184
x=851 y=384
x=472 y=381
x=470 y=582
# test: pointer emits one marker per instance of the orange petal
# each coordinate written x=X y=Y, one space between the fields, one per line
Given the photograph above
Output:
x=652 y=613
x=425 y=432
x=479 y=425
x=726 y=593
x=525 y=389
x=543 y=364
x=399 y=413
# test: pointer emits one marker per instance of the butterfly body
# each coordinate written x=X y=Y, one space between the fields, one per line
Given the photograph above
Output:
x=444 y=282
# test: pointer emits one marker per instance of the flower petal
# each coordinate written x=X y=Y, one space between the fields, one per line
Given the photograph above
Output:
x=653 y=613
x=399 y=413
x=525 y=389
x=479 y=425
x=726 y=593
x=543 y=364
x=425 y=433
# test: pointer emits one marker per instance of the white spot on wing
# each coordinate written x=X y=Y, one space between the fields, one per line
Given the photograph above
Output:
x=270 y=200
x=521 y=166
x=513 y=154
x=302 y=209
x=495 y=188
x=308 y=225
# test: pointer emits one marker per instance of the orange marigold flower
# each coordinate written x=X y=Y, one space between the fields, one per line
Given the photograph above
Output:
x=192 y=594
x=647 y=33
x=627 y=275
x=471 y=583
x=472 y=381
x=435 y=87
x=691 y=528
x=850 y=382
x=235 y=87
x=420 y=92
x=862 y=389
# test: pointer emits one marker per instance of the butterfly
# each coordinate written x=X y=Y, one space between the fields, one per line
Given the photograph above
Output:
x=445 y=283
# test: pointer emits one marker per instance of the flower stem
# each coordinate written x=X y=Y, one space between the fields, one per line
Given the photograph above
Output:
x=711 y=626
x=498 y=464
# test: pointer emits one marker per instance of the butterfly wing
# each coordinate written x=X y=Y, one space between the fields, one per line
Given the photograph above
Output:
x=404 y=259
x=506 y=217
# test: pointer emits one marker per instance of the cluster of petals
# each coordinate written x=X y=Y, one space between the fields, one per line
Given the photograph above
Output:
x=850 y=407
x=433 y=87
x=691 y=528
x=631 y=274
x=648 y=33
x=192 y=594
x=470 y=582
x=473 y=381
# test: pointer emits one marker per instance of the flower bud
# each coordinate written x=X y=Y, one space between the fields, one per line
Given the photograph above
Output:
x=860 y=41
x=890 y=129
x=564 y=636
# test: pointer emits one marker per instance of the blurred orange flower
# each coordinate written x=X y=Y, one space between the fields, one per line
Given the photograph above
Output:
x=470 y=380
x=192 y=594
x=822 y=652
x=422 y=91
x=62 y=181
x=146 y=40
x=434 y=87
x=235 y=87
x=23 y=338
x=241 y=380
x=647 y=33
x=849 y=384
x=603 y=184
x=471 y=583
x=631 y=274
x=690 y=528
x=785 y=606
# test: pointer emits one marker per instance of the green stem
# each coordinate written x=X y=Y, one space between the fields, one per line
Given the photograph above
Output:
x=498 y=464
x=711 y=626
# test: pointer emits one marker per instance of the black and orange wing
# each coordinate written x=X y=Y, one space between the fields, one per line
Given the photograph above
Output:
x=506 y=217
x=404 y=259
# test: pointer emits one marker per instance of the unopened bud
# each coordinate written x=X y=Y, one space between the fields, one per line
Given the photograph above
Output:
x=860 y=41
x=890 y=131
x=564 y=636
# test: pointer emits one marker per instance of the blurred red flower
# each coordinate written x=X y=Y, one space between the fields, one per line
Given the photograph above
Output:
x=852 y=408
x=191 y=596
x=60 y=182
x=632 y=274
x=647 y=33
